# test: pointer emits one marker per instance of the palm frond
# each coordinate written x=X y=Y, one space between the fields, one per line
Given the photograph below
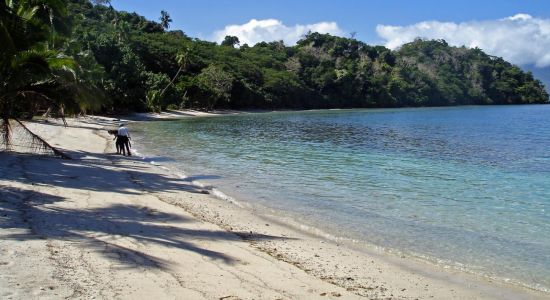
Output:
x=63 y=64
x=6 y=41
x=34 y=60
x=27 y=13
x=13 y=30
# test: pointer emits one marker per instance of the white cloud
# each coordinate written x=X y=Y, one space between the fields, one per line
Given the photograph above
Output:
x=520 y=39
x=268 y=30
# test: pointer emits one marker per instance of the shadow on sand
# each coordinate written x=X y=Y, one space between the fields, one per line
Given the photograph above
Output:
x=39 y=214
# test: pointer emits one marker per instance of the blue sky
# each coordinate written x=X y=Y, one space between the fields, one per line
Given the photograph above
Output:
x=517 y=30
x=201 y=18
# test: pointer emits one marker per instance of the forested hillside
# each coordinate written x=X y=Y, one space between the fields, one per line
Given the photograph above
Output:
x=141 y=58
x=128 y=63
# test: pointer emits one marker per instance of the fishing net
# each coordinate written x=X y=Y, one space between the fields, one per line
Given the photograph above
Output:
x=16 y=137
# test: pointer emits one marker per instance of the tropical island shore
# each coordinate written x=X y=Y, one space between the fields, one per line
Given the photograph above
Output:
x=107 y=226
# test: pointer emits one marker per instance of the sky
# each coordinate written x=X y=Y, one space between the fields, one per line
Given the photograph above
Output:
x=517 y=30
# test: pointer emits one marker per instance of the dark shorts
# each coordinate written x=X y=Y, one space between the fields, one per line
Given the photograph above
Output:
x=122 y=139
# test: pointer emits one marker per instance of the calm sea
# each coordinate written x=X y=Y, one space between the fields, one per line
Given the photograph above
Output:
x=467 y=187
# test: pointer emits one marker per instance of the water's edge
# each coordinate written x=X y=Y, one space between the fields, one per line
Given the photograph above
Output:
x=394 y=255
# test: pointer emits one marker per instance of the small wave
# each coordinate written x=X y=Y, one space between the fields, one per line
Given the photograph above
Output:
x=181 y=174
x=357 y=244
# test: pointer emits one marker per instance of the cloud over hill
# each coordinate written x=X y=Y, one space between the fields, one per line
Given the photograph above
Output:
x=255 y=31
x=521 y=39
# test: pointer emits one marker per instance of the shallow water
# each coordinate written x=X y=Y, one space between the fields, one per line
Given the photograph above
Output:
x=467 y=187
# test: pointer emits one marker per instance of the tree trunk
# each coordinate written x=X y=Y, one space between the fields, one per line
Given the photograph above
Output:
x=171 y=81
x=6 y=133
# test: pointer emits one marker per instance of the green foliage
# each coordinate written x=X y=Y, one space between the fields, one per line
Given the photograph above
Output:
x=40 y=67
x=79 y=56
x=215 y=84
x=145 y=67
x=283 y=89
x=230 y=41
x=154 y=85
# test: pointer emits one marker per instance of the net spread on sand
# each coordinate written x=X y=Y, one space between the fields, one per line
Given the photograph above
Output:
x=17 y=137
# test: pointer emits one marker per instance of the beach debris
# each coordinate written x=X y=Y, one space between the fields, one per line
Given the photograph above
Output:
x=17 y=137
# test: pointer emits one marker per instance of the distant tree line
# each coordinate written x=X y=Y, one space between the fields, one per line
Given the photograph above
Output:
x=78 y=55
x=147 y=67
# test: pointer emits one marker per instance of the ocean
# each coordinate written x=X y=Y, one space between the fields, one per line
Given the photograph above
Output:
x=462 y=187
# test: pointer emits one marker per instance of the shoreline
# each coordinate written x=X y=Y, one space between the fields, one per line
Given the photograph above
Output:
x=427 y=265
x=316 y=227
x=185 y=113
x=414 y=261
x=325 y=269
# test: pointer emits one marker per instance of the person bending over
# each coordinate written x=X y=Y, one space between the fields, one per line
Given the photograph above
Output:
x=117 y=143
x=124 y=139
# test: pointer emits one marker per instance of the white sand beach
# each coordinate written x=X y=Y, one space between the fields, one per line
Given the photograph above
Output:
x=104 y=226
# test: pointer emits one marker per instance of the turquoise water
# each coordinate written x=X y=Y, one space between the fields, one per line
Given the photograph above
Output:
x=467 y=187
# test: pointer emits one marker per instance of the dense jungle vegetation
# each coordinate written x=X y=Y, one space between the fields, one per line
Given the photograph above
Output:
x=81 y=56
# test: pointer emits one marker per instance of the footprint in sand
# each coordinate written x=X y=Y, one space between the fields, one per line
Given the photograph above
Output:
x=6 y=263
x=9 y=252
x=43 y=290
x=8 y=295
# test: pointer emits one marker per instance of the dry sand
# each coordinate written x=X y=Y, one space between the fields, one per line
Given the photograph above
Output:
x=105 y=226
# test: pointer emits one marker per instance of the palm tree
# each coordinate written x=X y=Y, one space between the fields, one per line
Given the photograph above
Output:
x=35 y=78
x=165 y=19
x=182 y=59
x=32 y=73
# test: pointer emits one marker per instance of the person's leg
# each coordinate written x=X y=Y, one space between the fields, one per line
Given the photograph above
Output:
x=117 y=145
x=122 y=142
x=127 y=143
